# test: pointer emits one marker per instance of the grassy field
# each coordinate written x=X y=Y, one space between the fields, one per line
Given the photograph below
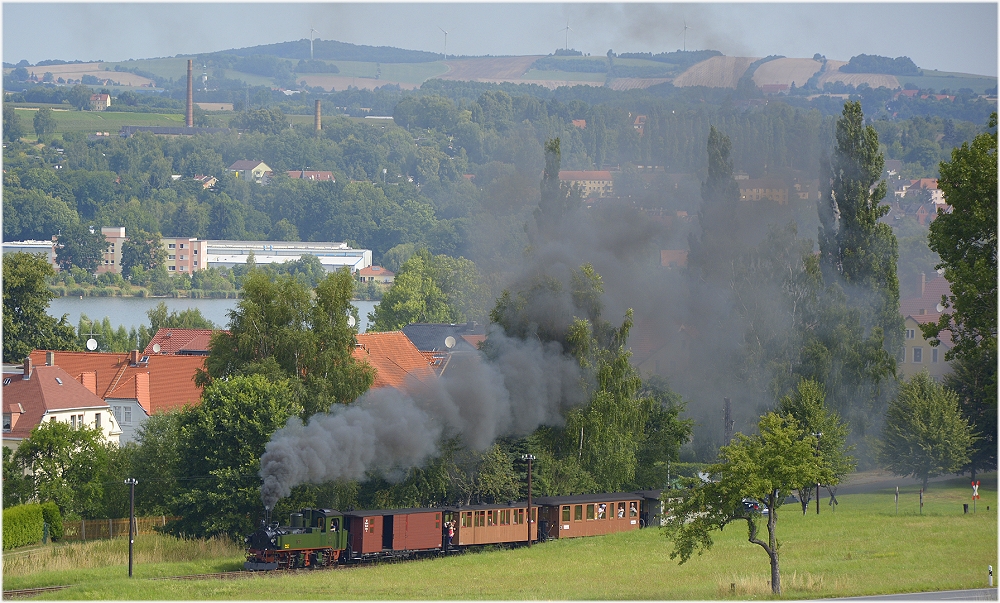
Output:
x=939 y=80
x=167 y=67
x=863 y=548
x=99 y=121
x=567 y=76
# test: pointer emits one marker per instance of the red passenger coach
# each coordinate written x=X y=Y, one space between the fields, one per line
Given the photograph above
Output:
x=590 y=514
x=495 y=524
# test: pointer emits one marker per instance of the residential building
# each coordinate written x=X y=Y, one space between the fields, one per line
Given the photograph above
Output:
x=591 y=182
x=376 y=274
x=756 y=189
x=923 y=309
x=130 y=131
x=332 y=255
x=250 y=170
x=44 y=248
x=440 y=342
x=394 y=357
x=206 y=181
x=112 y=261
x=673 y=258
x=311 y=175
x=184 y=254
x=639 y=124
x=184 y=342
x=580 y=123
x=99 y=102
x=134 y=385
x=49 y=393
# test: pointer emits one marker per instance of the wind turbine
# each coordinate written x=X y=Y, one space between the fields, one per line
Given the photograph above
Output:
x=686 y=28
x=567 y=29
x=445 y=42
x=311 y=32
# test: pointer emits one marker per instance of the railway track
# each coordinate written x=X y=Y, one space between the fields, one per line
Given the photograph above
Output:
x=26 y=593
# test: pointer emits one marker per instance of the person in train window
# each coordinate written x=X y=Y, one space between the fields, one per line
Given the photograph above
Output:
x=602 y=511
x=621 y=510
x=632 y=512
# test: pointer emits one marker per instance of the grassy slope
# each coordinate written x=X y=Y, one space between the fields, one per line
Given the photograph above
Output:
x=863 y=548
x=100 y=121
x=939 y=80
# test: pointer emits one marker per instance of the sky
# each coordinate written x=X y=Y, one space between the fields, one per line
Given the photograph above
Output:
x=948 y=36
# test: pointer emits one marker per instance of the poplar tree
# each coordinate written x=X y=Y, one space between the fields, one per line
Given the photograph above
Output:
x=854 y=245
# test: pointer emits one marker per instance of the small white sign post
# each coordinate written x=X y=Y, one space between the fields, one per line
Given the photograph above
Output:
x=975 y=497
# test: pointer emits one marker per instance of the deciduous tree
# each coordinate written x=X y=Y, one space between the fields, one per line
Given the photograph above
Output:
x=26 y=323
x=966 y=240
x=766 y=467
x=925 y=435
x=78 y=246
x=44 y=122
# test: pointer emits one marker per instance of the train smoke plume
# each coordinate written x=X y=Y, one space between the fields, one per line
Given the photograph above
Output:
x=527 y=383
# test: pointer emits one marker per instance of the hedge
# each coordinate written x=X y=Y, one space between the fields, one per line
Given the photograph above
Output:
x=50 y=512
x=22 y=525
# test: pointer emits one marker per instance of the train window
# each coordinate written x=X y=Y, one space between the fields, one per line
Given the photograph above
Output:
x=480 y=518
x=578 y=513
x=334 y=525
x=621 y=510
x=565 y=513
x=467 y=519
x=602 y=511
x=519 y=516
x=534 y=512
x=491 y=518
x=322 y=524
x=632 y=510
x=590 y=512
x=437 y=520
x=505 y=517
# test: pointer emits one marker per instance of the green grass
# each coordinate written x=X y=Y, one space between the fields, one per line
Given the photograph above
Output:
x=939 y=80
x=863 y=548
x=175 y=68
x=406 y=73
x=100 y=121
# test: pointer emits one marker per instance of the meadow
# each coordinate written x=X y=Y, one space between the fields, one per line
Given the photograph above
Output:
x=939 y=80
x=98 y=121
x=862 y=548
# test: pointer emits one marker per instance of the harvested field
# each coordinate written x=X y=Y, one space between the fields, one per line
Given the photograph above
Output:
x=874 y=80
x=716 y=72
x=786 y=71
x=503 y=69
x=631 y=83
x=76 y=71
x=340 y=82
x=216 y=106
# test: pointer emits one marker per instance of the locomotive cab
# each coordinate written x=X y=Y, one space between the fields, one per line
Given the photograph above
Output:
x=313 y=537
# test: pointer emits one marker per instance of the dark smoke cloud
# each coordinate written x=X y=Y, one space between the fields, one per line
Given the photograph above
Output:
x=527 y=384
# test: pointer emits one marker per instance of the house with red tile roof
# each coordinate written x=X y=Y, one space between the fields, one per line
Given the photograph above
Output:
x=394 y=358
x=49 y=393
x=923 y=309
x=135 y=385
x=376 y=274
x=185 y=342
x=321 y=176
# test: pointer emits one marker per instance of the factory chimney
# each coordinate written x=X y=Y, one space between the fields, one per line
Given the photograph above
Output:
x=319 y=119
x=189 y=121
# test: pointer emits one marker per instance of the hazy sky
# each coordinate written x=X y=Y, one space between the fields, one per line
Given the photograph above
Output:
x=946 y=36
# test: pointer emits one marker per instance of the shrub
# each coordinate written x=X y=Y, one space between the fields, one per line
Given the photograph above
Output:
x=22 y=525
x=51 y=515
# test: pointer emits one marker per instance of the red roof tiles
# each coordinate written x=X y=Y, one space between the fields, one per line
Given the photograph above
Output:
x=48 y=388
x=177 y=341
x=168 y=379
x=394 y=358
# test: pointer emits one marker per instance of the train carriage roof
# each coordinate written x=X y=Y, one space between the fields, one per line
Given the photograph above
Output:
x=552 y=501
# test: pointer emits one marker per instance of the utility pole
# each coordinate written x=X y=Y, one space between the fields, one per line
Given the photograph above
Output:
x=131 y=520
x=818 y=435
x=529 y=458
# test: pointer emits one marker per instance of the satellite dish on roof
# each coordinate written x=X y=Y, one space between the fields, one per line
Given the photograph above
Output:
x=91 y=344
x=940 y=271
x=156 y=348
x=939 y=308
x=351 y=322
x=449 y=342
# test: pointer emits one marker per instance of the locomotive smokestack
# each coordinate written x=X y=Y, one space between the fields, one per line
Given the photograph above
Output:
x=319 y=120
x=189 y=121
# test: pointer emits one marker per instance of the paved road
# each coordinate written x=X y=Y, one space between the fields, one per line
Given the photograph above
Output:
x=975 y=594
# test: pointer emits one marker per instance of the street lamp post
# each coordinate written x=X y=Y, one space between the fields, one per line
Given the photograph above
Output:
x=529 y=458
x=817 y=435
x=131 y=520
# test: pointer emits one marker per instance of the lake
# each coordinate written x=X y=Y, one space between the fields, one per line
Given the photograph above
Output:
x=130 y=312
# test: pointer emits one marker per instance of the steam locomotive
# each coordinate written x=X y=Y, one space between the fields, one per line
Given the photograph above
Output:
x=324 y=537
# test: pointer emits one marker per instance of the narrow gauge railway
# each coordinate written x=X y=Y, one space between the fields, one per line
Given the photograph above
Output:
x=25 y=593
x=317 y=538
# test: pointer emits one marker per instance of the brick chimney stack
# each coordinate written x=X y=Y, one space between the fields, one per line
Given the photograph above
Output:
x=189 y=121
x=319 y=121
x=27 y=368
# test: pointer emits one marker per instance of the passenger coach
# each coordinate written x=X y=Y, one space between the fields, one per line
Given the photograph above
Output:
x=589 y=514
